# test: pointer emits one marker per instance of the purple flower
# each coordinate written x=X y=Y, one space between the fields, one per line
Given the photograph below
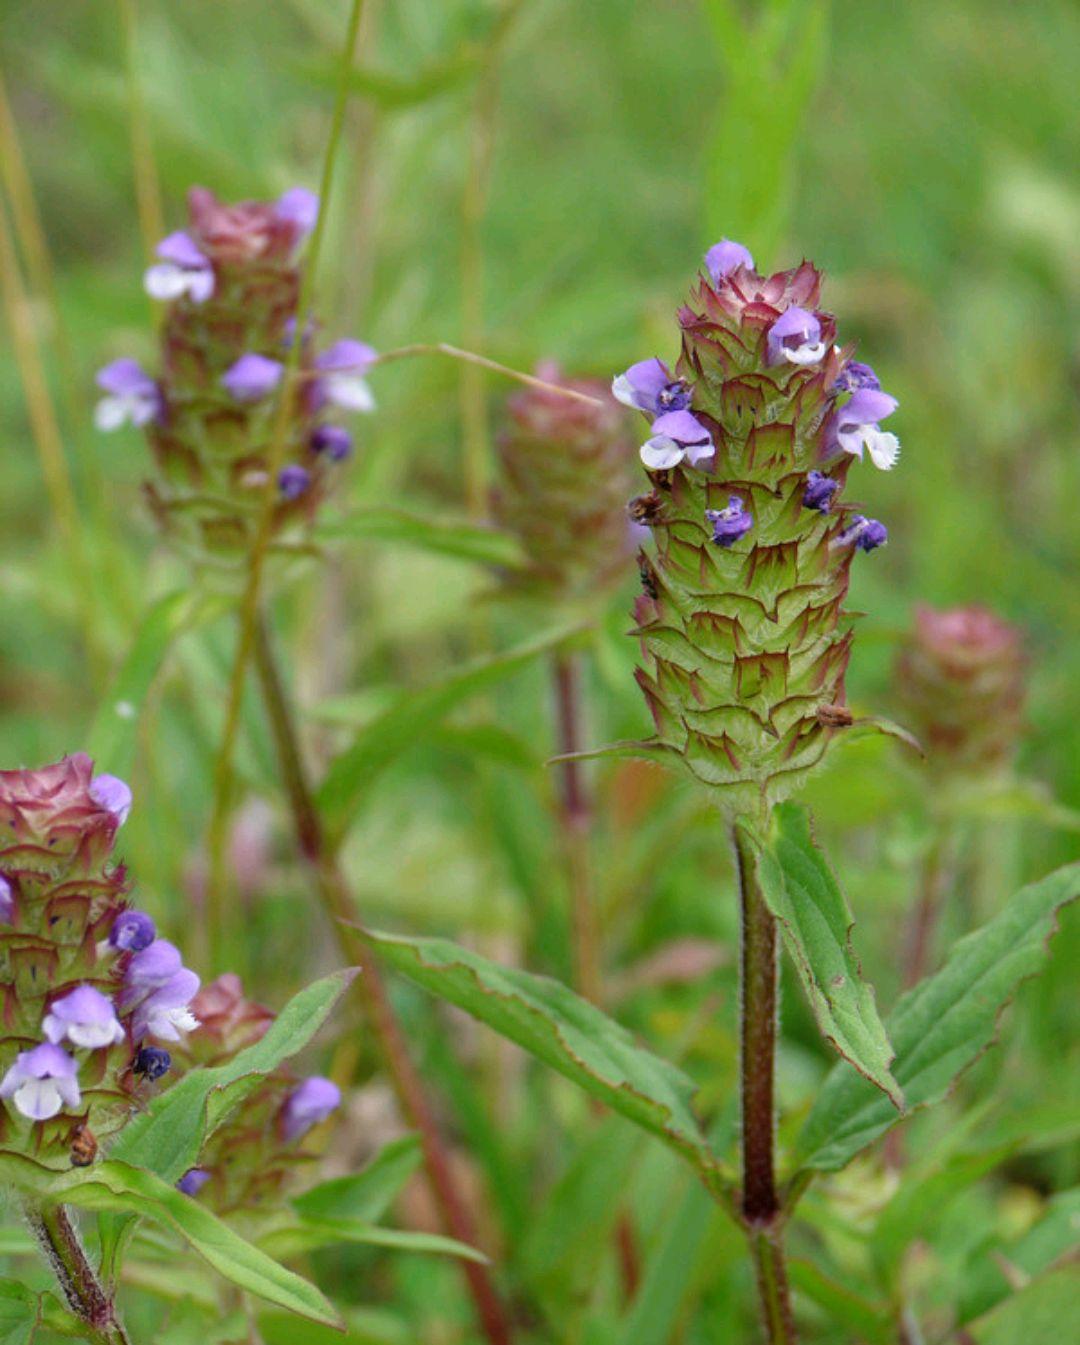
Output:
x=85 y=1017
x=342 y=381
x=309 y=1103
x=131 y=396
x=730 y=524
x=724 y=257
x=865 y=533
x=649 y=386
x=153 y=1062
x=132 y=931
x=164 y=1013
x=183 y=269
x=193 y=1181
x=795 y=336
x=151 y=967
x=856 y=427
x=293 y=481
x=298 y=207
x=42 y=1082
x=7 y=902
x=332 y=440
x=855 y=376
x=676 y=435
x=112 y=794
x=819 y=492
x=252 y=377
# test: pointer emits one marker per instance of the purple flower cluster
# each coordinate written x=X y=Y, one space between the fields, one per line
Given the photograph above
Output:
x=794 y=337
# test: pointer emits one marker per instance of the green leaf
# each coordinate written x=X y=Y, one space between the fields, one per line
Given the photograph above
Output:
x=365 y=1195
x=816 y=923
x=671 y=1272
x=20 y=1313
x=940 y=1026
x=866 y=1321
x=1044 y=1310
x=563 y=1030
x=353 y=773
x=444 y=537
x=115 y=728
x=311 y=1234
x=118 y=1187
x=1051 y=1237
x=167 y=1136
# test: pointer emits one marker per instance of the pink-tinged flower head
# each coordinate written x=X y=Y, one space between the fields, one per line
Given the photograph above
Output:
x=252 y=377
x=310 y=1102
x=85 y=1017
x=228 y=1020
x=54 y=807
x=724 y=257
x=795 y=336
x=42 y=1082
x=249 y=231
x=341 y=380
x=676 y=436
x=182 y=270
x=131 y=396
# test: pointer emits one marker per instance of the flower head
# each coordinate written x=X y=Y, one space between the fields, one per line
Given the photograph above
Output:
x=335 y=442
x=293 y=481
x=193 y=1181
x=730 y=524
x=131 y=396
x=152 y=1062
x=341 y=381
x=85 y=1017
x=298 y=207
x=132 y=931
x=795 y=336
x=183 y=269
x=866 y=534
x=676 y=436
x=819 y=492
x=724 y=257
x=856 y=427
x=649 y=386
x=310 y=1102
x=42 y=1082
x=112 y=794
x=252 y=377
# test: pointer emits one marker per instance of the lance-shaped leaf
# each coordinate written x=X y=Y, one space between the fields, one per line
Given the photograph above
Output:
x=444 y=537
x=352 y=774
x=116 y=1186
x=365 y=1195
x=565 y=1031
x=800 y=890
x=941 y=1026
x=1041 y=1310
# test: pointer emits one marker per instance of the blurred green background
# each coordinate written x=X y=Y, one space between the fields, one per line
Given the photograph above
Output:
x=540 y=180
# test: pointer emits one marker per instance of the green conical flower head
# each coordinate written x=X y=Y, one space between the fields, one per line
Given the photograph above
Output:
x=742 y=621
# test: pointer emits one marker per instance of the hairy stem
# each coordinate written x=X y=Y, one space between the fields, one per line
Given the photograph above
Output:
x=370 y=988
x=81 y=1287
x=761 y=1211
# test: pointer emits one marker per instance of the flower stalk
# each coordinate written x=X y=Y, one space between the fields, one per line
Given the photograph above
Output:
x=82 y=1290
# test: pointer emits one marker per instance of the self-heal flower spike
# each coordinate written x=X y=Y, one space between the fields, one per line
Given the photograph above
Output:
x=293 y=481
x=131 y=396
x=307 y=1105
x=819 y=492
x=857 y=427
x=85 y=1017
x=341 y=380
x=649 y=386
x=112 y=793
x=42 y=1082
x=676 y=436
x=866 y=534
x=132 y=931
x=730 y=524
x=724 y=257
x=795 y=336
x=252 y=377
x=183 y=269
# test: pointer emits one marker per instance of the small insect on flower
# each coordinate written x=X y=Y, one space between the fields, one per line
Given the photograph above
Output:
x=646 y=508
x=84 y=1146
x=152 y=1062
x=835 y=716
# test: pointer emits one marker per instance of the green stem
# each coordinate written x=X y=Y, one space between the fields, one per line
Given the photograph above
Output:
x=762 y=1216
x=81 y=1287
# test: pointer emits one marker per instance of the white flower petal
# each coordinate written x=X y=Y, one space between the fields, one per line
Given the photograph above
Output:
x=165 y=281
x=661 y=452
x=884 y=448
x=851 y=439
x=696 y=453
x=90 y=1036
x=110 y=413
x=623 y=392
x=69 y=1091
x=38 y=1099
x=53 y=1028
x=805 y=354
x=349 y=392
